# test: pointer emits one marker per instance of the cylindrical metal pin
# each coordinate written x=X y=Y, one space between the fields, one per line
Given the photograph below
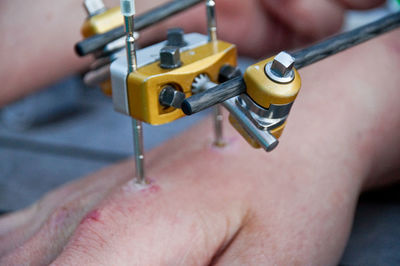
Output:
x=128 y=11
x=218 y=124
x=139 y=150
x=211 y=21
x=212 y=37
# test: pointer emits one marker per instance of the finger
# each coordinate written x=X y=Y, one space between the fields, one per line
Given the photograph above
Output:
x=55 y=217
x=11 y=221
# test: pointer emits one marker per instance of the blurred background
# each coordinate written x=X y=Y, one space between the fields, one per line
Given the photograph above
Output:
x=69 y=130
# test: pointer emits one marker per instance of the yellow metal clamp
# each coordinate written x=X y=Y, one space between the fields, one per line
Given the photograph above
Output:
x=140 y=82
x=103 y=22
x=265 y=91
x=145 y=85
x=100 y=23
x=272 y=86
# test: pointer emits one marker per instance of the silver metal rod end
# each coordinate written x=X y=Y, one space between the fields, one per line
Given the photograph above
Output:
x=218 y=127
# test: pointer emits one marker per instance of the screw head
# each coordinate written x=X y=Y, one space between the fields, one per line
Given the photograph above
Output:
x=175 y=37
x=171 y=97
x=170 y=57
x=281 y=68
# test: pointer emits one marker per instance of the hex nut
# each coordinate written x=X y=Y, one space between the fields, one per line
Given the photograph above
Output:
x=169 y=96
x=170 y=57
x=280 y=69
x=283 y=63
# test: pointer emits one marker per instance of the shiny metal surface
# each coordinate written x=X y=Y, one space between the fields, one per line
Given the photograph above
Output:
x=283 y=64
x=145 y=57
x=281 y=68
x=265 y=119
x=128 y=9
x=253 y=118
x=211 y=20
x=212 y=37
x=95 y=77
x=218 y=127
x=130 y=43
x=94 y=7
x=171 y=97
x=170 y=57
x=119 y=74
x=263 y=137
x=137 y=129
x=201 y=83
x=116 y=45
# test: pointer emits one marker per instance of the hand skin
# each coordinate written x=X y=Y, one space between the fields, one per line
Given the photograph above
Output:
x=29 y=63
x=236 y=205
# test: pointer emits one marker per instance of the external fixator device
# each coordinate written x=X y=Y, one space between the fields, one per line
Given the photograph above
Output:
x=188 y=73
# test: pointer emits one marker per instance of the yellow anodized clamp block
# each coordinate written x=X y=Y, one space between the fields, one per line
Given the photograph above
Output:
x=103 y=22
x=145 y=84
x=265 y=91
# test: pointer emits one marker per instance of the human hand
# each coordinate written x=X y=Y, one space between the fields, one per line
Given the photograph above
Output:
x=261 y=27
x=233 y=206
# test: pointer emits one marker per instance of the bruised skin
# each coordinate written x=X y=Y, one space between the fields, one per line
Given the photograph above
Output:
x=236 y=205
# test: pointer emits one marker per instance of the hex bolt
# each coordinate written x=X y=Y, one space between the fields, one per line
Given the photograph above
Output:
x=175 y=37
x=281 y=68
x=94 y=7
x=170 y=57
x=169 y=96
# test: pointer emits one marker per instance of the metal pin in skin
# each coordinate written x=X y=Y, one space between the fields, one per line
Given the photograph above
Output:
x=212 y=37
x=128 y=11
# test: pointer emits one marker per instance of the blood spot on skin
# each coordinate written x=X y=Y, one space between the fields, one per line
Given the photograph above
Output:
x=93 y=216
x=154 y=189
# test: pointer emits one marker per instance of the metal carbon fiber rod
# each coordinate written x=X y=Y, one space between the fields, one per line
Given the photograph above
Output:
x=303 y=57
x=128 y=11
x=97 y=42
x=341 y=42
x=212 y=38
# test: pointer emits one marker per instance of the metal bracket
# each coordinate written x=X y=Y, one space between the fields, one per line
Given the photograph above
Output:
x=145 y=56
